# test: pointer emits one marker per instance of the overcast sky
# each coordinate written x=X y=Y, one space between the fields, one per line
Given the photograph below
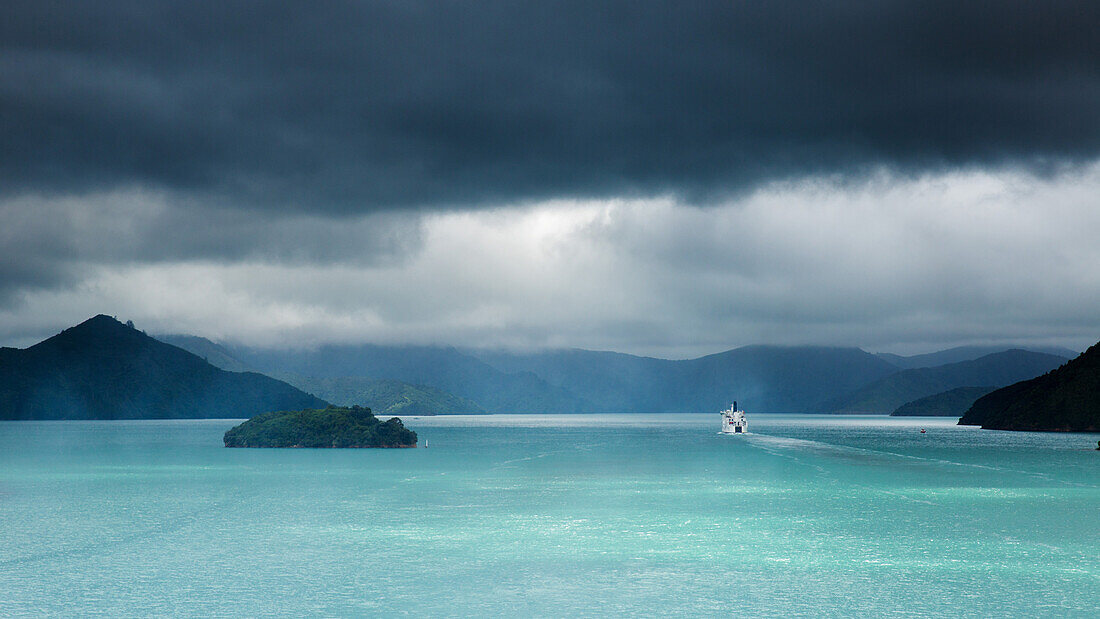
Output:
x=660 y=178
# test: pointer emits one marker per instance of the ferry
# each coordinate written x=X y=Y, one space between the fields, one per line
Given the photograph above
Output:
x=733 y=421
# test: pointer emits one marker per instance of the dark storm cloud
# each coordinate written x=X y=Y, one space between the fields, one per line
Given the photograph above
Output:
x=50 y=243
x=339 y=106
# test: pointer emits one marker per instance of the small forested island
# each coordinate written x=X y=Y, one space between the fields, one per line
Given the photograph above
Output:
x=335 y=426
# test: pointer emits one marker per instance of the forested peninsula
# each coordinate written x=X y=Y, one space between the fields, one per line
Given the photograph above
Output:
x=1066 y=400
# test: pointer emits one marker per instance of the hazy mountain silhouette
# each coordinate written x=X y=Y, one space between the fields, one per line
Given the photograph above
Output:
x=997 y=370
x=103 y=369
x=214 y=354
x=765 y=378
x=443 y=368
x=966 y=353
x=760 y=378
x=951 y=403
x=384 y=396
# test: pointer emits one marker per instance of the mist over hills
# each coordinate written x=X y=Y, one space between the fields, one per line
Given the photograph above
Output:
x=214 y=354
x=766 y=378
x=995 y=370
x=440 y=367
x=966 y=353
x=383 y=396
x=457 y=380
x=761 y=378
x=950 y=403
x=103 y=369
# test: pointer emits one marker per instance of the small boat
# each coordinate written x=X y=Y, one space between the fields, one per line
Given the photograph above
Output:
x=733 y=421
x=922 y=430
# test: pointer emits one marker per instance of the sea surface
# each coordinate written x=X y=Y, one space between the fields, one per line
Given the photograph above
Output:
x=561 y=515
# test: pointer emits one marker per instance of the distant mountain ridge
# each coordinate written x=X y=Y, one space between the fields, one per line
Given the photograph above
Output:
x=966 y=353
x=384 y=396
x=997 y=370
x=440 y=367
x=1066 y=399
x=766 y=378
x=214 y=354
x=951 y=403
x=761 y=378
x=103 y=369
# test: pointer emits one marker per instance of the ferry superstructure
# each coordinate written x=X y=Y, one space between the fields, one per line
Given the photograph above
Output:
x=733 y=421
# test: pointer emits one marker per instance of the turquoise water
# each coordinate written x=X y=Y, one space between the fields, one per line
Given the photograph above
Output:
x=551 y=516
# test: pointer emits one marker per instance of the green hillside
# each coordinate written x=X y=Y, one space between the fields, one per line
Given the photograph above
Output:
x=102 y=369
x=383 y=396
x=952 y=403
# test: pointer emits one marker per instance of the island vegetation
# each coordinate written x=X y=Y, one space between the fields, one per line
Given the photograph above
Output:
x=334 y=426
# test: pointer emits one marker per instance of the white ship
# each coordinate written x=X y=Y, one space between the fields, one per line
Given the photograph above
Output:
x=733 y=421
